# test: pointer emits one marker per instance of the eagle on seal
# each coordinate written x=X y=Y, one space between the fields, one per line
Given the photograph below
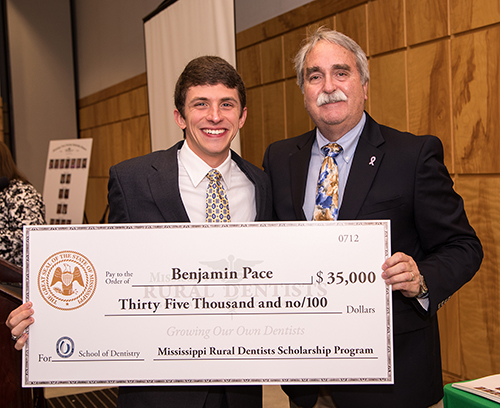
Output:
x=67 y=277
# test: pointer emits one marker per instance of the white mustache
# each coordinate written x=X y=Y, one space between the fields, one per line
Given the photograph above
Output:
x=337 y=96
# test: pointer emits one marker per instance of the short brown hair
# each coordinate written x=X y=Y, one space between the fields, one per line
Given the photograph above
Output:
x=208 y=70
x=7 y=166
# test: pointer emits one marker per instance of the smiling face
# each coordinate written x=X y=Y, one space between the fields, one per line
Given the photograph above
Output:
x=330 y=74
x=212 y=118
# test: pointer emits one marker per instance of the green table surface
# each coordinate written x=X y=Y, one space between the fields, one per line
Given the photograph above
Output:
x=455 y=398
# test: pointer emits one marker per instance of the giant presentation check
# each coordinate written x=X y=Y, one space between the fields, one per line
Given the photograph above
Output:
x=257 y=303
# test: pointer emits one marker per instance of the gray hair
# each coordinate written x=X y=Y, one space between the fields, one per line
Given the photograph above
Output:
x=333 y=37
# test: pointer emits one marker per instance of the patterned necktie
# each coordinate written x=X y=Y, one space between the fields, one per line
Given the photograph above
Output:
x=327 y=193
x=217 y=205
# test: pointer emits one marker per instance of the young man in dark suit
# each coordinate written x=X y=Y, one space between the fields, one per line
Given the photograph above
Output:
x=382 y=174
x=170 y=186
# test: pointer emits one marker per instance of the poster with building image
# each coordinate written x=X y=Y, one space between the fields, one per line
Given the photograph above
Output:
x=66 y=177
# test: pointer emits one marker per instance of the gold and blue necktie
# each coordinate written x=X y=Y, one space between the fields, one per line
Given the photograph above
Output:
x=327 y=192
x=217 y=205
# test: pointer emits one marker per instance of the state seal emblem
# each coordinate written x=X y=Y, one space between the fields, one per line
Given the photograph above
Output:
x=67 y=280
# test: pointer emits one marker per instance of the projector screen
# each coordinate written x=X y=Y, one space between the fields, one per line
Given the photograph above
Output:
x=177 y=32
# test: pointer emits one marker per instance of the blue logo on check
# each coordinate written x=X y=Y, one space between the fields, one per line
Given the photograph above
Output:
x=65 y=347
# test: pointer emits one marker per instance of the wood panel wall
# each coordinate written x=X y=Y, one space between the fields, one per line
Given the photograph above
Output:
x=117 y=119
x=435 y=68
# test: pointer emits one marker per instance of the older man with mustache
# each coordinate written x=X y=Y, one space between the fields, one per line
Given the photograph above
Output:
x=352 y=168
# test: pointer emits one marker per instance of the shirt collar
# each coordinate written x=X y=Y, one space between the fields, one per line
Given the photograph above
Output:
x=197 y=169
x=348 y=142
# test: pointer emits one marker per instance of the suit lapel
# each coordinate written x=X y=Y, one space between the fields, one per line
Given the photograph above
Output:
x=299 y=167
x=259 y=187
x=164 y=185
x=366 y=162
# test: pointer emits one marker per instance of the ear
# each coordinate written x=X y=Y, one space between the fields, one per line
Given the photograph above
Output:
x=243 y=118
x=179 y=120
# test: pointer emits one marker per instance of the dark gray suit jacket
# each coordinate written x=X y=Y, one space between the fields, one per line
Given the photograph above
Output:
x=409 y=185
x=146 y=190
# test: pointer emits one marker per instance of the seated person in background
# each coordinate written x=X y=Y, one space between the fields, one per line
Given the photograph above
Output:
x=20 y=204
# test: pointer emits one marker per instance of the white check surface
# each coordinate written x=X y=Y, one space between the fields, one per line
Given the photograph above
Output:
x=258 y=303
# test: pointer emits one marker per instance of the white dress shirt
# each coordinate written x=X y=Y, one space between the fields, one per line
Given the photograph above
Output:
x=193 y=186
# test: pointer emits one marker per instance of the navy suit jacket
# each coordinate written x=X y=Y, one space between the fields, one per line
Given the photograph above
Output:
x=408 y=184
x=146 y=190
